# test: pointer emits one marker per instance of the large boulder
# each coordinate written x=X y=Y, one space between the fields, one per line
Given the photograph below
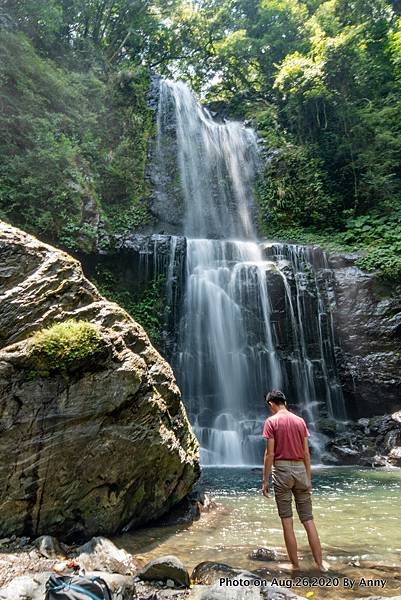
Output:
x=99 y=447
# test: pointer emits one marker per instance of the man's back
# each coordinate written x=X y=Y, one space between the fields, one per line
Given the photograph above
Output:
x=287 y=456
x=289 y=432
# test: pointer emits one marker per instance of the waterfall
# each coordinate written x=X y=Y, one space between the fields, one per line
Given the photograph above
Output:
x=254 y=316
x=216 y=166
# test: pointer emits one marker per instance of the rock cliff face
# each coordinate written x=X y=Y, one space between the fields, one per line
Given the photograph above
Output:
x=368 y=326
x=99 y=449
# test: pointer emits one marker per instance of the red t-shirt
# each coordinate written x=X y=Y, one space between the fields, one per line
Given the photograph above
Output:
x=289 y=432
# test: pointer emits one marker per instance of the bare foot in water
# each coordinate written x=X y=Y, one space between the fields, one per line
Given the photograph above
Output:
x=288 y=567
x=324 y=567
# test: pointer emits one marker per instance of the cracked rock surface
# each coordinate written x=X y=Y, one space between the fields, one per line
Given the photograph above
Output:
x=107 y=446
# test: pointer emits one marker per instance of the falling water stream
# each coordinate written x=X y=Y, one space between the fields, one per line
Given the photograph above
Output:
x=255 y=316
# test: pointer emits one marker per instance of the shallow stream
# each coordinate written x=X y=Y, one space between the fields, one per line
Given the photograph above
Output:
x=357 y=512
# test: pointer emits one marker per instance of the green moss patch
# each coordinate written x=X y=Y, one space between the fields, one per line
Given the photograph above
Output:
x=64 y=346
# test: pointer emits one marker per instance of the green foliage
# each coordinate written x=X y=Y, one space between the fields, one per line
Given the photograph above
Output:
x=292 y=190
x=68 y=140
x=319 y=79
x=98 y=33
x=380 y=238
x=146 y=306
x=123 y=185
x=63 y=347
x=327 y=239
x=384 y=260
x=377 y=237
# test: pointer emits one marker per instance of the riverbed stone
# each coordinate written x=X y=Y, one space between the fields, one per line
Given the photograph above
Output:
x=267 y=554
x=274 y=592
x=103 y=448
x=244 y=586
x=217 y=592
x=165 y=568
x=100 y=554
x=208 y=572
x=394 y=456
x=48 y=546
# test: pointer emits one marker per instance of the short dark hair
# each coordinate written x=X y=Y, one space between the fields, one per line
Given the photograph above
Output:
x=276 y=396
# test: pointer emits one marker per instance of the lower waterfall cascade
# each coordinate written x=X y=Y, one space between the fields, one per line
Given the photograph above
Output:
x=250 y=315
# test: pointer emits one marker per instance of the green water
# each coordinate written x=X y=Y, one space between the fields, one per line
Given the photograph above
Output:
x=357 y=512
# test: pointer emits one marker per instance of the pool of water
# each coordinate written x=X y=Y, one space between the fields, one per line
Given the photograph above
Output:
x=357 y=513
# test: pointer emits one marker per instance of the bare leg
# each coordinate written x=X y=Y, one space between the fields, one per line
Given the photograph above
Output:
x=290 y=541
x=314 y=543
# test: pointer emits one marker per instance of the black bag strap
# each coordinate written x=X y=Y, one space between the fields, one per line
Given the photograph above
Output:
x=104 y=585
x=58 y=583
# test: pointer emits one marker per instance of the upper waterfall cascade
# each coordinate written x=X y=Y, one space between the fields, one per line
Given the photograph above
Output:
x=253 y=316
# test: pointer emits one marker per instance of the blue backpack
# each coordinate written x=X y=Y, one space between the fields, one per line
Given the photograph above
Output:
x=76 y=587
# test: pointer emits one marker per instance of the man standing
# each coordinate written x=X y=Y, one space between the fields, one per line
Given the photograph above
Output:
x=287 y=455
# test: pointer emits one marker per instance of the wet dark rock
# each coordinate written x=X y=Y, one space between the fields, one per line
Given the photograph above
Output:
x=164 y=568
x=90 y=215
x=189 y=509
x=136 y=261
x=370 y=442
x=149 y=245
x=327 y=426
x=267 y=554
x=367 y=319
x=347 y=456
x=166 y=202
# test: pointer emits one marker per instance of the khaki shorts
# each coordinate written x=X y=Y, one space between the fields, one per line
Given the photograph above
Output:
x=289 y=477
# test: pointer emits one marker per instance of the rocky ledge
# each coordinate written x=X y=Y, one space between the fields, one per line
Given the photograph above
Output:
x=373 y=442
x=101 y=445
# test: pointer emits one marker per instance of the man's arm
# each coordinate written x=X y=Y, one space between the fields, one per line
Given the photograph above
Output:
x=307 y=462
x=267 y=465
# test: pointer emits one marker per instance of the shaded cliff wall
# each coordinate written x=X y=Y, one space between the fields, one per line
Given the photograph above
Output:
x=367 y=318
